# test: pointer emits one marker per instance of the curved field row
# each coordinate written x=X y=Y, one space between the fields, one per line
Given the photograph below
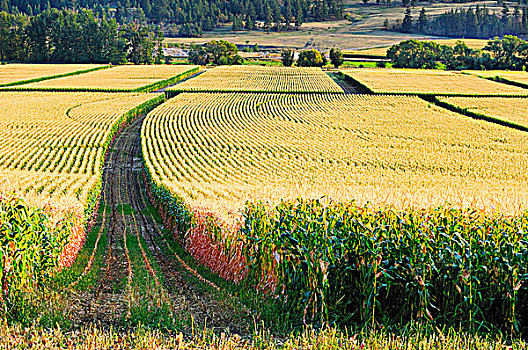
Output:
x=68 y=190
x=429 y=82
x=217 y=151
x=53 y=148
x=117 y=79
x=260 y=79
x=59 y=133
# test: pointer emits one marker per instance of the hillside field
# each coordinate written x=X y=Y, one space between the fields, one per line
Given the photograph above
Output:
x=220 y=150
x=362 y=31
x=381 y=52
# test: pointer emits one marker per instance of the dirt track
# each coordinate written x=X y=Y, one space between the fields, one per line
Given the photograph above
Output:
x=140 y=266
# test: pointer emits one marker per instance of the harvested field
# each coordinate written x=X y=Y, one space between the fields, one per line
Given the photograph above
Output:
x=382 y=51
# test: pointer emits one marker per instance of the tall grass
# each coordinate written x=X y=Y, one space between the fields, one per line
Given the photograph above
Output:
x=93 y=337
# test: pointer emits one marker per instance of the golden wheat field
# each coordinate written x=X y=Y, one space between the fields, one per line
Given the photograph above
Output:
x=120 y=78
x=52 y=143
x=220 y=150
x=509 y=109
x=16 y=72
x=433 y=82
x=260 y=79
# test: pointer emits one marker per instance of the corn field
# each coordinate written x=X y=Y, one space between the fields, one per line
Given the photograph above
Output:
x=365 y=211
x=428 y=82
x=225 y=170
x=114 y=79
x=221 y=150
x=52 y=154
x=60 y=133
x=511 y=110
x=260 y=79
x=350 y=263
x=516 y=78
x=30 y=250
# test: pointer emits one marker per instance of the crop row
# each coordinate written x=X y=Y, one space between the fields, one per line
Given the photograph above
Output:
x=360 y=264
x=64 y=133
x=260 y=79
x=224 y=149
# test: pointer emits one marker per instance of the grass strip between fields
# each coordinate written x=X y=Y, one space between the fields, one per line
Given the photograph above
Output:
x=366 y=89
x=476 y=115
x=502 y=80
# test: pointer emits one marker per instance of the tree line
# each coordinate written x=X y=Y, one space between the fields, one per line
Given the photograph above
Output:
x=223 y=52
x=312 y=58
x=476 y=22
x=406 y=3
x=71 y=36
x=508 y=52
x=192 y=17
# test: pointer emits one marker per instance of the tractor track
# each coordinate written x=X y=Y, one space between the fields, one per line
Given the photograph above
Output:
x=182 y=289
x=202 y=305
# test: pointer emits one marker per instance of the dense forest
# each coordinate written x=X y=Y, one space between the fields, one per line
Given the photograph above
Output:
x=476 y=22
x=192 y=17
x=75 y=37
